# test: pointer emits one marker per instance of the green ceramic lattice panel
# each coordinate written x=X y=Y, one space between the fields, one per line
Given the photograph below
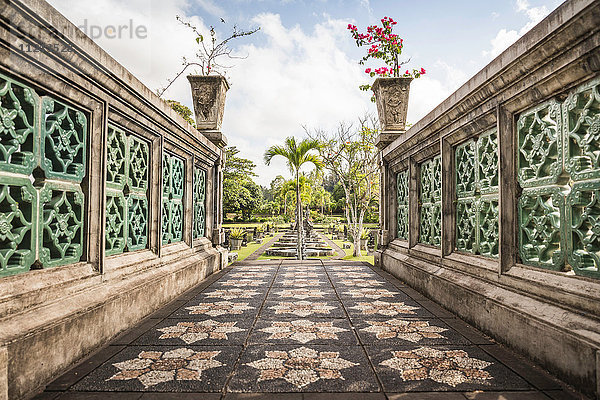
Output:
x=477 y=215
x=137 y=217
x=487 y=163
x=487 y=226
x=431 y=207
x=466 y=225
x=583 y=228
x=173 y=190
x=465 y=169
x=137 y=174
x=199 y=202
x=19 y=107
x=116 y=222
x=540 y=154
x=18 y=224
x=61 y=224
x=541 y=242
x=402 y=204
x=63 y=141
x=431 y=224
x=581 y=114
x=127 y=180
x=116 y=158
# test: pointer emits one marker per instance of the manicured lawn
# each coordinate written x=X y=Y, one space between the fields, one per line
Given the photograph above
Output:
x=349 y=257
x=251 y=248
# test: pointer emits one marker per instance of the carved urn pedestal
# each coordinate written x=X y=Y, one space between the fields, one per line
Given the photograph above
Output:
x=391 y=97
x=208 y=96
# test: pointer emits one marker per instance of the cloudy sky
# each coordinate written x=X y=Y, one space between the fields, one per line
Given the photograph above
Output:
x=302 y=66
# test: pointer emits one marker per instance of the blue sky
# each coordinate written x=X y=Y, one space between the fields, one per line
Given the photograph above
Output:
x=302 y=67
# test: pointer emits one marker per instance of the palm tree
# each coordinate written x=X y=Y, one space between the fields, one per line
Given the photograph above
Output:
x=296 y=154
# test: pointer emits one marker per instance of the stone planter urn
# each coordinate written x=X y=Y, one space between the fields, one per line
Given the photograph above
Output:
x=236 y=244
x=391 y=97
x=208 y=96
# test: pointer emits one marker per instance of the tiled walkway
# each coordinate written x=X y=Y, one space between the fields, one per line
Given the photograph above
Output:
x=307 y=330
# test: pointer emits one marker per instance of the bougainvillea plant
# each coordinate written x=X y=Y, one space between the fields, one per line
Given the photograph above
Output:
x=383 y=45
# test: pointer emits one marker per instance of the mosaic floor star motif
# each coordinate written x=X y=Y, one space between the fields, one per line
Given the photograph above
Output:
x=370 y=293
x=192 y=332
x=301 y=308
x=302 y=330
x=301 y=275
x=250 y=268
x=361 y=282
x=301 y=293
x=219 y=308
x=353 y=275
x=346 y=269
x=249 y=275
x=412 y=331
x=230 y=294
x=243 y=282
x=450 y=367
x=301 y=367
x=384 y=308
x=301 y=282
x=153 y=367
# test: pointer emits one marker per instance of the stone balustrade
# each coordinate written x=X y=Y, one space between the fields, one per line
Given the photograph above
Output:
x=490 y=203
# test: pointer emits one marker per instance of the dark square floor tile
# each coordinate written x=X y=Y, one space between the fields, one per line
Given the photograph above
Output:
x=301 y=293
x=164 y=369
x=99 y=396
x=46 y=396
x=209 y=331
x=75 y=374
x=214 y=308
x=303 y=331
x=386 y=293
x=506 y=396
x=441 y=368
x=251 y=295
x=471 y=333
x=384 y=308
x=263 y=396
x=273 y=310
x=281 y=281
x=308 y=274
x=230 y=283
x=308 y=368
x=436 y=309
x=181 y=396
x=537 y=377
x=426 y=396
x=407 y=331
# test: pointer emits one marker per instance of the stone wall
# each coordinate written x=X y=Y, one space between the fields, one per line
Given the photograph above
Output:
x=490 y=202
x=110 y=203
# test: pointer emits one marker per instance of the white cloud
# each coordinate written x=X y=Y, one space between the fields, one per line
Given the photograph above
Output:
x=295 y=78
x=504 y=38
x=153 y=59
x=210 y=7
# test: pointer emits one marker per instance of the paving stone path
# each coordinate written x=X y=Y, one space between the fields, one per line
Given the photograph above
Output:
x=304 y=330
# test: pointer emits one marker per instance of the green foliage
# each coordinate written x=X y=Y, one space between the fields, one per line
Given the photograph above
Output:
x=237 y=233
x=182 y=110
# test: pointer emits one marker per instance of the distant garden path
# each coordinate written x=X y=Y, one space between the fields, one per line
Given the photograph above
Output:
x=263 y=248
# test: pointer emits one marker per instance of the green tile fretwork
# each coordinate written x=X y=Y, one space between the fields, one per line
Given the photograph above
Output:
x=199 y=202
x=127 y=160
x=172 y=198
x=559 y=217
x=40 y=225
x=476 y=165
x=402 y=204
x=430 y=225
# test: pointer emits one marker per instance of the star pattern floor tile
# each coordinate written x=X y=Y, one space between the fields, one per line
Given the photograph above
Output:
x=208 y=331
x=307 y=368
x=164 y=369
x=290 y=327
x=407 y=331
x=441 y=368
x=302 y=308
x=303 y=331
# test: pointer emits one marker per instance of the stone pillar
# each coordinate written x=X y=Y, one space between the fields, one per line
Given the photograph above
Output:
x=3 y=373
x=383 y=204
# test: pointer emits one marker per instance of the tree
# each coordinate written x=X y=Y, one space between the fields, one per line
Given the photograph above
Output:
x=296 y=154
x=240 y=194
x=350 y=154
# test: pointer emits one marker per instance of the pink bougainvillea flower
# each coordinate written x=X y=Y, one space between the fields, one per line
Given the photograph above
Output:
x=368 y=70
x=422 y=71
